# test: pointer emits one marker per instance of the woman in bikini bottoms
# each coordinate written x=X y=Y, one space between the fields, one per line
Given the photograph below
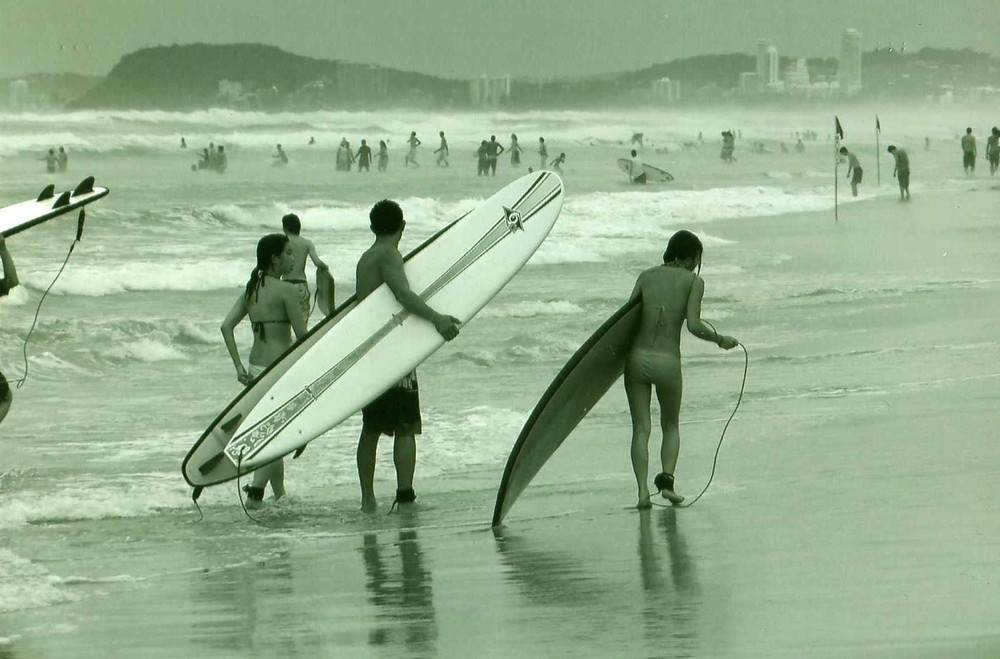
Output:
x=274 y=311
x=671 y=293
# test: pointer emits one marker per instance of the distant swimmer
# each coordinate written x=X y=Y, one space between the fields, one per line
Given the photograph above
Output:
x=799 y=146
x=558 y=162
x=483 y=158
x=206 y=160
x=364 y=157
x=397 y=411
x=854 y=171
x=51 y=161
x=543 y=153
x=301 y=248
x=671 y=294
x=728 y=146
x=63 y=160
x=414 y=142
x=212 y=154
x=8 y=282
x=274 y=310
x=637 y=139
x=515 y=151
x=312 y=140
x=494 y=149
x=281 y=156
x=184 y=143
x=993 y=149
x=635 y=171
x=221 y=162
x=901 y=171
x=927 y=144
x=442 y=151
x=969 y=152
x=383 y=156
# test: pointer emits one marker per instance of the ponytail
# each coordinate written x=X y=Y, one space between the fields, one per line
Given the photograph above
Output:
x=268 y=247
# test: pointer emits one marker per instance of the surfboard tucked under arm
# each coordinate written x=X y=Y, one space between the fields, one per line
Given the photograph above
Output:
x=580 y=385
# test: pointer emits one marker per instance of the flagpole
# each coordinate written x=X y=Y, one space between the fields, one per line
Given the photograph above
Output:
x=878 y=150
x=836 y=169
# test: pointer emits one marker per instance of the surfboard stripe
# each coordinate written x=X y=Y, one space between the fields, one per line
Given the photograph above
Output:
x=249 y=443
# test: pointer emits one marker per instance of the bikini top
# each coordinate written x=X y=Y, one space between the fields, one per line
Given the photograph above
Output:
x=258 y=326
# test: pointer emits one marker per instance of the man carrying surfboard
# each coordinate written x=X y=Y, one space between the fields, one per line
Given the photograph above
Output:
x=671 y=294
x=8 y=282
x=301 y=248
x=397 y=411
x=635 y=169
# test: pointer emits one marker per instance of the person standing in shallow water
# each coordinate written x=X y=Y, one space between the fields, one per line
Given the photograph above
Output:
x=411 y=156
x=50 y=161
x=901 y=172
x=442 y=151
x=63 y=160
x=993 y=150
x=8 y=282
x=543 y=152
x=274 y=310
x=364 y=157
x=301 y=249
x=671 y=294
x=397 y=411
x=969 y=152
x=515 y=151
x=383 y=155
x=854 y=171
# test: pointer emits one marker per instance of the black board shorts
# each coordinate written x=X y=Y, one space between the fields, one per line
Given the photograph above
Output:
x=4 y=388
x=397 y=411
x=856 y=177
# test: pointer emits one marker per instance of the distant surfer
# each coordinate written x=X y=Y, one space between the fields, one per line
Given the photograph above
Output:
x=543 y=152
x=383 y=155
x=635 y=171
x=63 y=160
x=993 y=149
x=312 y=140
x=969 y=152
x=221 y=162
x=414 y=142
x=281 y=156
x=184 y=143
x=397 y=411
x=301 y=248
x=558 y=162
x=364 y=157
x=442 y=151
x=8 y=282
x=273 y=308
x=671 y=294
x=515 y=151
x=493 y=150
x=854 y=171
x=901 y=171
x=50 y=161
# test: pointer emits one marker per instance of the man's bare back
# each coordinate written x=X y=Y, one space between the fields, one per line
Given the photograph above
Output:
x=302 y=249
x=368 y=274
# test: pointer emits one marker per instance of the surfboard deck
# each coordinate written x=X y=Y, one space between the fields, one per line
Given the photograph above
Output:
x=368 y=345
x=582 y=382
x=48 y=205
x=325 y=291
x=653 y=173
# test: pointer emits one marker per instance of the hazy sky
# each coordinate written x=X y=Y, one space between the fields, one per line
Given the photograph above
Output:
x=462 y=38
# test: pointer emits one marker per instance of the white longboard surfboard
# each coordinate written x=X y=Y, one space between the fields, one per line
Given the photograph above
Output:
x=355 y=355
x=48 y=205
x=652 y=172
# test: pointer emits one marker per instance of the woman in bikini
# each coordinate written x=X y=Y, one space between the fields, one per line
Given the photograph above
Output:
x=671 y=293
x=274 y=311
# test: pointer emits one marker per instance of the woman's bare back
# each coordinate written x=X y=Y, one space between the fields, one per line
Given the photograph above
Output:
x=665 y=292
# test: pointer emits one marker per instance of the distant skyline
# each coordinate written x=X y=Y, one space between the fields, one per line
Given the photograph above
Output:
x=466 y=38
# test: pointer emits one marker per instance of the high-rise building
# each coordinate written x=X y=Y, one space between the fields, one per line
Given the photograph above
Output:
x=667 y=90
x=767 y=63
x=849 y=73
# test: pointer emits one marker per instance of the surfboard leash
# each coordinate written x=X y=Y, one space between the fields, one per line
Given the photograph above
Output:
x=239 y=492
x=718 y=448
x=38 y=309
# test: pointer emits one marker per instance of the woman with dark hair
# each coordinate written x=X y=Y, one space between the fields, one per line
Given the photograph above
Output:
x=274 y=311
x=515 y=151
x=671 y=293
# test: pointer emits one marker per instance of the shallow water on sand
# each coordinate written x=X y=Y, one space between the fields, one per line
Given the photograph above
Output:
x=848 y=325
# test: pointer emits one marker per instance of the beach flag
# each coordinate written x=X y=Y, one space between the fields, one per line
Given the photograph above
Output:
x=878 y=126
x=839 y=129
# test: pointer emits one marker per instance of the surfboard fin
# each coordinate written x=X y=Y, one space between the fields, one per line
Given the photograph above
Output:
x=197 y=493
x=209 y=465
x=229 y=426
x=299 y=451
x=62 y=200
x=47 y=192
x=86 y=185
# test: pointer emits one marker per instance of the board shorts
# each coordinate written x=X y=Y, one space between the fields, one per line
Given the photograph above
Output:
x=994 y=157
x=858 y=173
x=305 y=299
x=904 y=179
x=969 y=159
x=397 y=411
x=5 y=394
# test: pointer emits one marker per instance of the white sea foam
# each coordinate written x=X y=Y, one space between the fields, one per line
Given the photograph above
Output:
x=531 y=309
x=26 y=585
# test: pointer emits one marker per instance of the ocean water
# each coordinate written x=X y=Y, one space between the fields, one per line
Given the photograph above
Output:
x=127 y=364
